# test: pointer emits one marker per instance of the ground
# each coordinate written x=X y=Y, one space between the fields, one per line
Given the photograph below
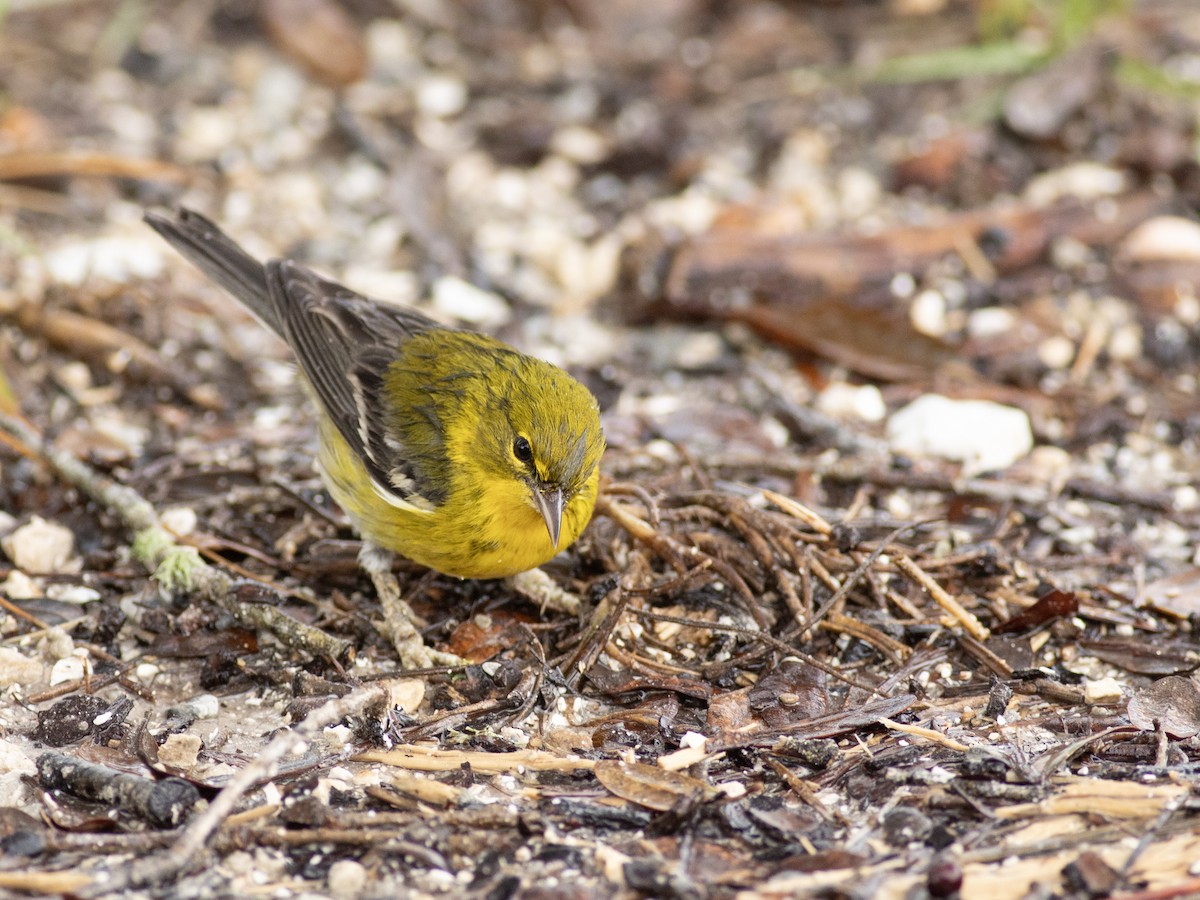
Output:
x=891 y=312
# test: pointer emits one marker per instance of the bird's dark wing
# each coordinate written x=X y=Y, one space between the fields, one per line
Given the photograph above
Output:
x=220 y=258
x=344 y=343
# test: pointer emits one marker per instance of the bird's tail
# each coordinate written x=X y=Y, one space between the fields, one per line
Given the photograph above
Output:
x=220 y=258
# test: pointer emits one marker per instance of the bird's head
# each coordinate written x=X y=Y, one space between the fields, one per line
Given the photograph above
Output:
x=554 y=442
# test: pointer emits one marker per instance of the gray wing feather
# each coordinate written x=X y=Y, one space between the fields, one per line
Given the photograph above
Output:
x=343 y=341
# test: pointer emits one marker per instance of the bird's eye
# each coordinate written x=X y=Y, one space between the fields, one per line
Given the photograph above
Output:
x=522 y=451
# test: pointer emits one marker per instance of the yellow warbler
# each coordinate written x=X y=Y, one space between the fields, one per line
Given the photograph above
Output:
x=448 y=447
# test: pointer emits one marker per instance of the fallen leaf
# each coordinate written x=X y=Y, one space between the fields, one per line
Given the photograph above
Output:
x=651 y=786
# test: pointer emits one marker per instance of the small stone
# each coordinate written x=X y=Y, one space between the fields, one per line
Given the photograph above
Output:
x=19 y=586
x=76 y=377
x=180 y=751
x=847 y=401
x=202 y=706
x=580 y=145
x=204 y=132
x=347 y=878
x=72 y=593
x=441 y=96
x=40 y=547
x=179 y=520
x=1081 y=180
x=338 y=736
x=1102 y=690
x=904 y=825
x=732 y=789
x=113 y=259
x=458 y=299
x=16 y=668
x=406 y=693
x=698 y=351
x=71 y=668
x=56 y=644
x=990 y=322
x=982 y=435
x=1056 y=352
x=17 y=770
x=1163 y=239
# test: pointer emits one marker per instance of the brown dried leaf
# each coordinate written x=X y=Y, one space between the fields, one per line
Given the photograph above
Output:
x=650 y=786
x=238 y=641
x=1039 y=105
x=1053 y=605
x=937 y=163
x=821 y=861
x=1144 y=656
x=830 y=294
x=483 y=636
x=1176 y=595
x=1171 y=703
x=1092 y=876
x=794 y=692
x=320 y=36
x=613 y=683
x=730 y=712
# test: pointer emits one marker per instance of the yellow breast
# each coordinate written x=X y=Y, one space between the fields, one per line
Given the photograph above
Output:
x=488 y=528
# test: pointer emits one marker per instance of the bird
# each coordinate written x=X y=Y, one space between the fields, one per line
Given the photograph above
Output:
x=443 y=445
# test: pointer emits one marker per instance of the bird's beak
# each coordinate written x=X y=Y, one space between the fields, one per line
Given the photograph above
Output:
x=550 y=504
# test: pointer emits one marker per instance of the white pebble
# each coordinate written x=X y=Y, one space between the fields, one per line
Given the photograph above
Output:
x=581 y=145
x=19 y=586
x=903 y=285
x=18 y=669
x=699 y=350
x=982 y=435
x=1046 y=463
x=278 y=94
x=1125 y=344
x=202 y=706
x=1056 y=352
x=732 y=789
x=179 y=520
x=338 y=735
x=991 y=321
x=928 y=313
x=1083 y=180
x=180 y=751
x=117 y=260
x=205 y=132
x=441 y=95
x=1163 y=239
x=70 y=668
x=458 y=299
x=347 y=878
x=72 y=593
x=1102 y=690
x=849 y=401
x=41 y=547
x=406 y=694
x=859 y=191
